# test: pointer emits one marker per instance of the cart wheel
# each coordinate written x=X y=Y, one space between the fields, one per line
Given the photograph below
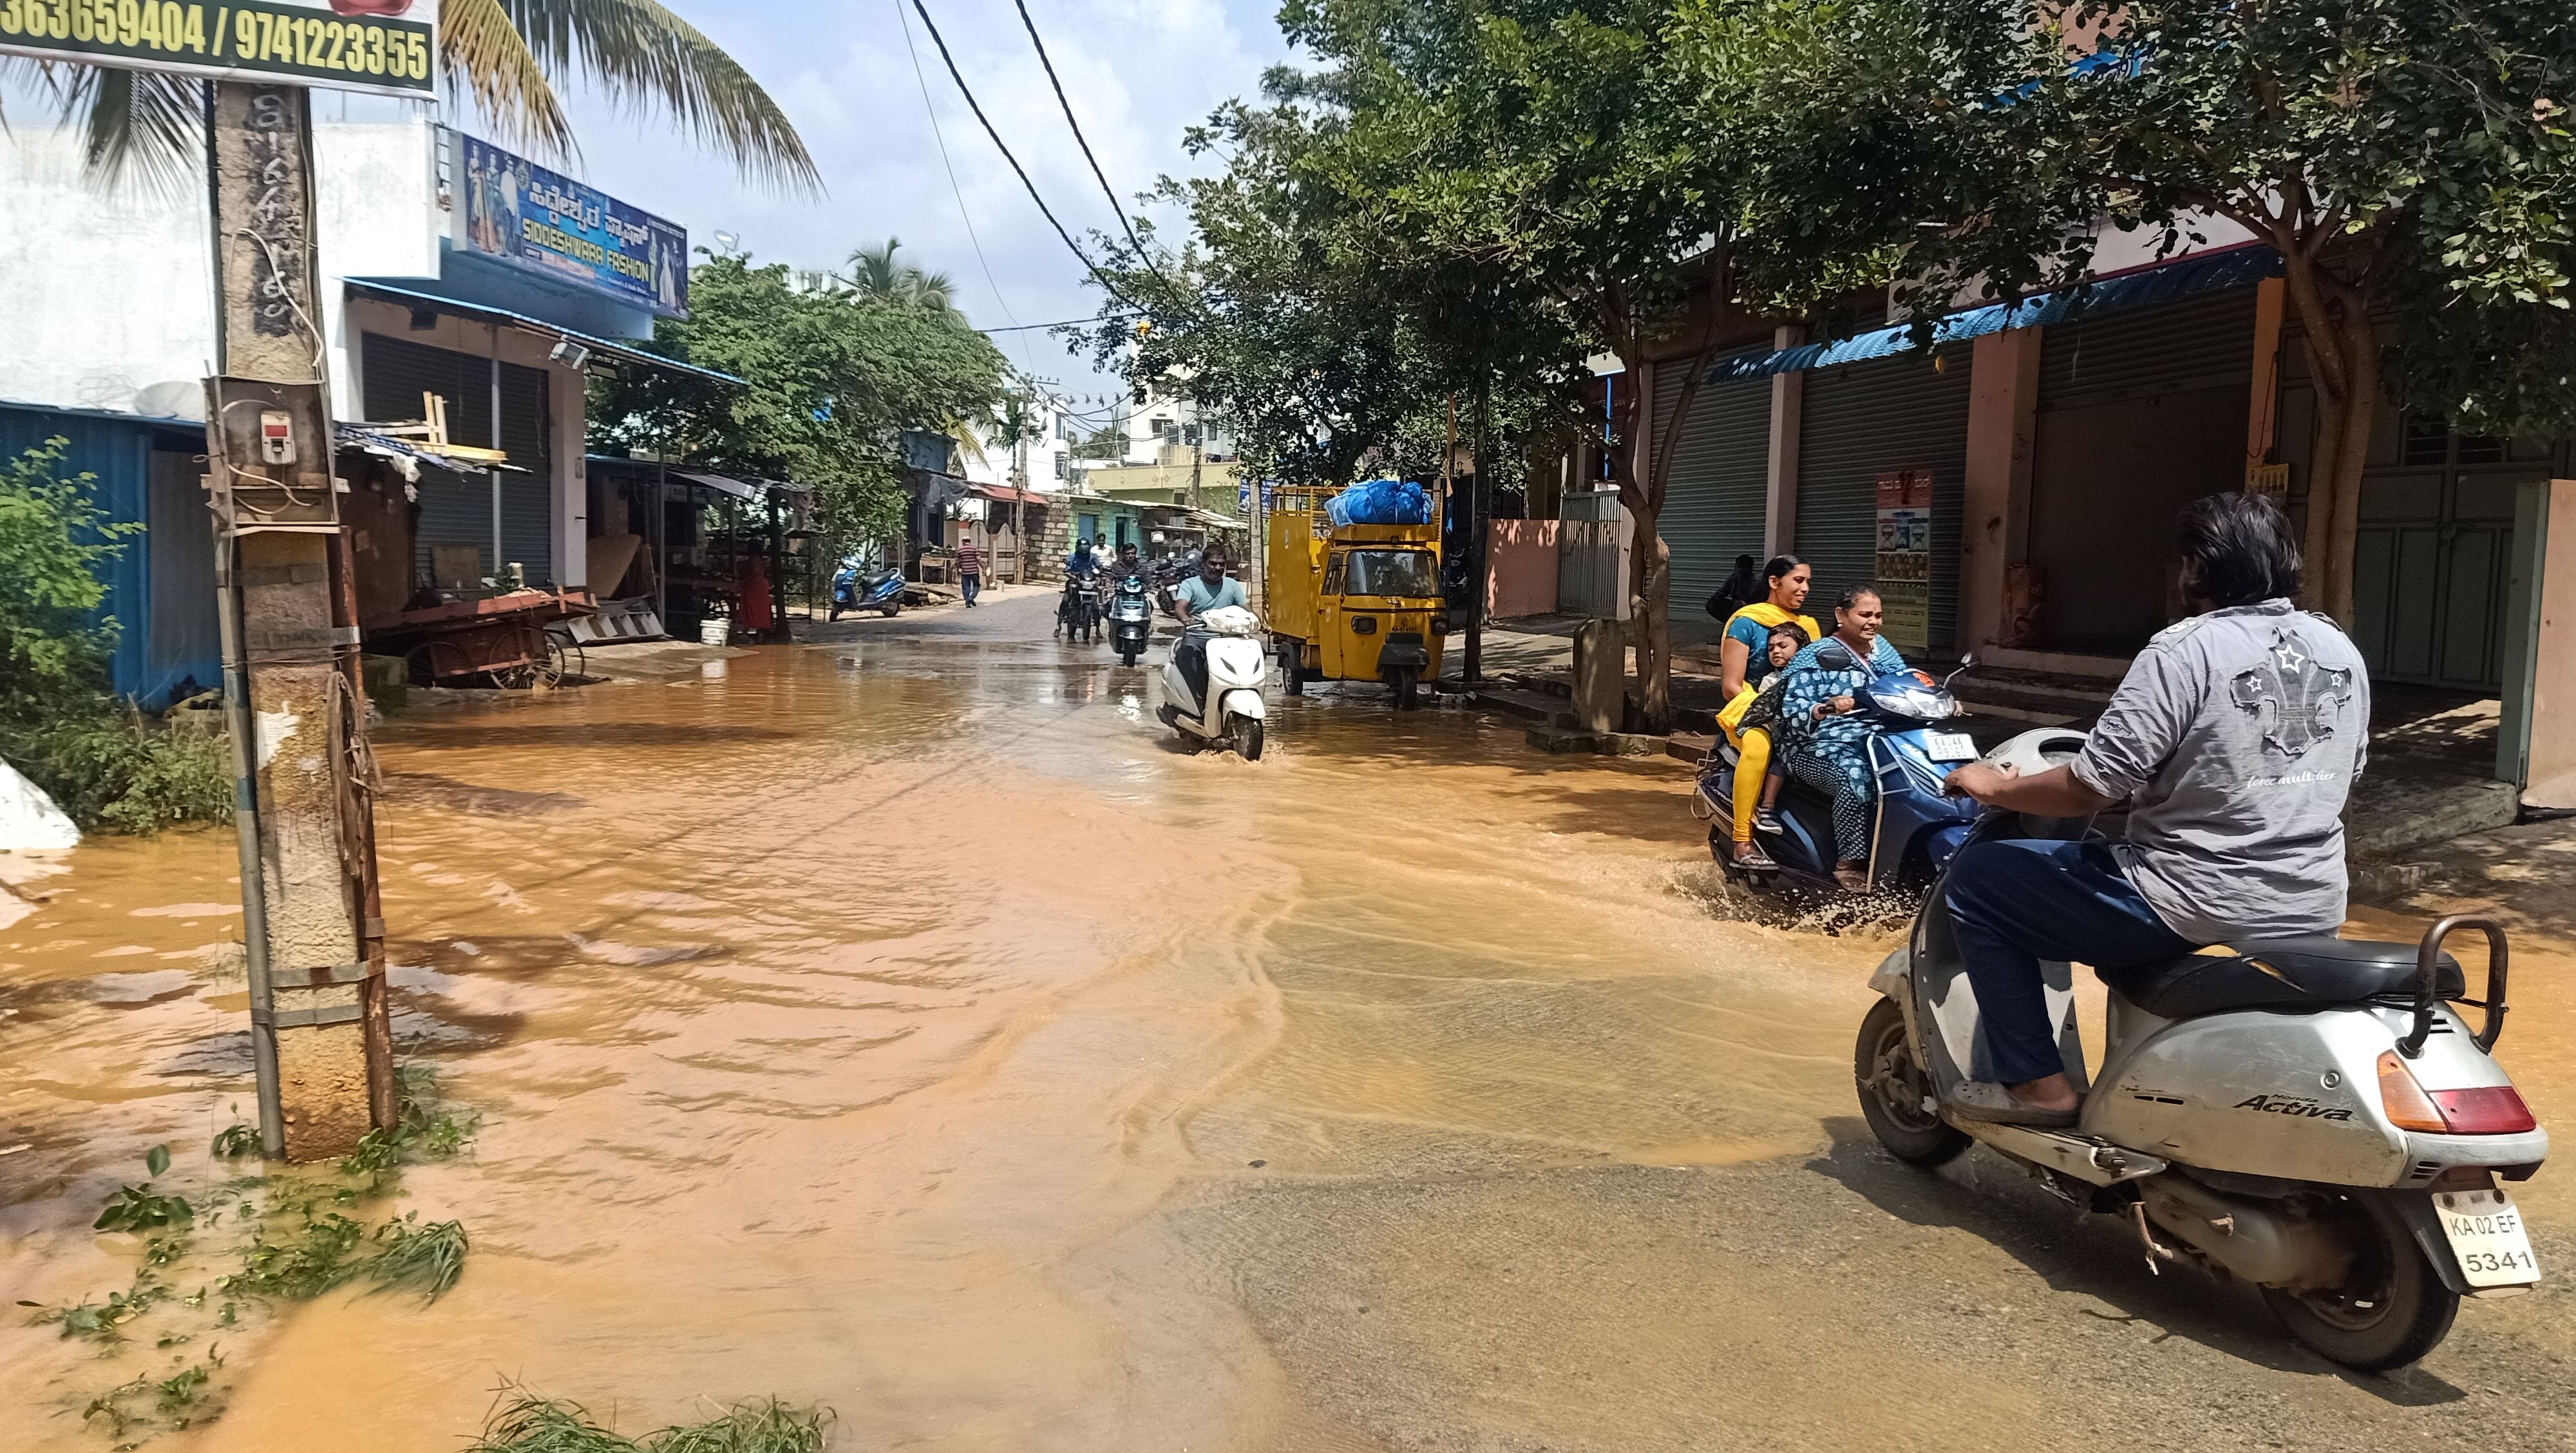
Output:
x=549 y=670
x=570 y=659
x=434 y=661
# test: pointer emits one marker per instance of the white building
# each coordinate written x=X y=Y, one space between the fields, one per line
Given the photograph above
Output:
x=447 y=267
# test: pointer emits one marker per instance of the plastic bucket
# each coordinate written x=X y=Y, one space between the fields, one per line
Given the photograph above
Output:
x=715 y=631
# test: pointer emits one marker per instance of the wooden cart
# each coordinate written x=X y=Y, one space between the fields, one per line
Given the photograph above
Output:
x=504 y=639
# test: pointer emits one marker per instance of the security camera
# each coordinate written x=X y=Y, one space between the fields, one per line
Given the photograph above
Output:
x=570 y=354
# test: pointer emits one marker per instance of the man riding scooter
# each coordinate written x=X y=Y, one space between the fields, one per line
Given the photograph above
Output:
x=1081 y=568
x=1198 y=595
x=2236 y=735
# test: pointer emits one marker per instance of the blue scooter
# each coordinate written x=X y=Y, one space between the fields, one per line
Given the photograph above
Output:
x=1916 y=830
x=856 y=588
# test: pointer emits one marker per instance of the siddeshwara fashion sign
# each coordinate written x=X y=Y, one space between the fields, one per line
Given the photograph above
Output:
x=390 y=46
x=544 y=222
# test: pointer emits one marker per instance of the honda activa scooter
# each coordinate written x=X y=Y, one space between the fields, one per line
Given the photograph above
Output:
x=1916 y=830
x=855 y=588
x=2307 y=1114
x=1226 y=708
x=1131 y=618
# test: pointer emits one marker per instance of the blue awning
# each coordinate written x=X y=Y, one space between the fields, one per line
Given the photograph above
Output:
x=484 y=313
x=2150 y=287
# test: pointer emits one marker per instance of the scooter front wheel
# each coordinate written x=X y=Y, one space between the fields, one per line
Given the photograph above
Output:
x=1893 y=1088
x=2392 y=1307
x=1247 y=738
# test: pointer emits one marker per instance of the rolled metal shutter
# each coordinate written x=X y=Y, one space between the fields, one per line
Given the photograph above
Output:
x=399 y=371
x=1716 y=495
x=455 y=509
x=2203 y=342
x=1861 y=420
x=527 y=514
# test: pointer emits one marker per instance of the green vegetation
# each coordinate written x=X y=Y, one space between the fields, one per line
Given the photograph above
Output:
x=140 y=1208
x=524 y=1423
x=236 y=1140
x=100 y=760
x=174 y=1401
x=835 y=374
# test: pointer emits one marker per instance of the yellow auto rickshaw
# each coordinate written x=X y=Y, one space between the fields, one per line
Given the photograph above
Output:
x=1353 y=602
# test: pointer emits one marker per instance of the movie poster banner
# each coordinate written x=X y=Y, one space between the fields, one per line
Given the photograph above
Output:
x=388 y=46
x=545 y=222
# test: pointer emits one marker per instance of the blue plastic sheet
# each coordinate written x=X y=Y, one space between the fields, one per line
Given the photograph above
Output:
x=1380 y=502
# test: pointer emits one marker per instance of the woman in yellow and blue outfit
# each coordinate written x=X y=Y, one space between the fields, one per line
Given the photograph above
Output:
x=1743 y=661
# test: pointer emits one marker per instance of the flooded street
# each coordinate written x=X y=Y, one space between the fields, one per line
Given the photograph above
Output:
x=907 y=1025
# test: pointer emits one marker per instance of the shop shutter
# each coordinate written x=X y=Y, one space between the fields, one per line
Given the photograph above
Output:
x=398 y=372
x=455 y=509
x=1715 y=497
x=2203 y=342
x=1860 y=420
x=527 y=516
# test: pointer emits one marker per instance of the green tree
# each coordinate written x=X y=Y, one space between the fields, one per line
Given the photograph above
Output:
x=831 y=378
x=2410 y=162
x=874 y=271
x=509 y=57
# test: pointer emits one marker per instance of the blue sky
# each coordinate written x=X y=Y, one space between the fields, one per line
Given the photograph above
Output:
x=1138 y=71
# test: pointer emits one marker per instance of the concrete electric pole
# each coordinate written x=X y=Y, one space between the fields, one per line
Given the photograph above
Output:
x=312 y=921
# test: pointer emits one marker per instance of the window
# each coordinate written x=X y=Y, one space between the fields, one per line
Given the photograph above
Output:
x=1391 y=572
x=1180 y=496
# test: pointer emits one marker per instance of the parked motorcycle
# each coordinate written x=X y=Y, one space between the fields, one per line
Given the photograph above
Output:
x=2307 y=1114
x=1917 y=829
x=1131 y=618
x=855 y=587
x=1224 y=706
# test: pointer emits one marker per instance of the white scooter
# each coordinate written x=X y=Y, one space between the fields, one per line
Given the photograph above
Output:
x=1230 y=710
x=2307 y=1114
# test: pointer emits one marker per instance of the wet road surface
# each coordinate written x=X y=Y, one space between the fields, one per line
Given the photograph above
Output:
x=904 y=1023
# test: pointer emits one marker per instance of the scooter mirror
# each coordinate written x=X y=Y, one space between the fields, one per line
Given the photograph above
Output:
x=1835 y=656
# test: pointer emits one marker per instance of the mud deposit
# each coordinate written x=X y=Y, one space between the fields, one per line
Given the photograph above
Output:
x=904 y=1024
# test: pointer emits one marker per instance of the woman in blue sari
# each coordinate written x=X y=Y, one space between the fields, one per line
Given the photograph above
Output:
x=1827 y=739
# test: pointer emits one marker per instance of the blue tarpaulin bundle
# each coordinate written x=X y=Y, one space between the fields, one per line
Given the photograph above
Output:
x=1380 y=502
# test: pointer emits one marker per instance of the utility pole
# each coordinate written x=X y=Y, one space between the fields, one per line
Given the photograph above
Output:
x=1020 y=492
x=1479 y=504
x=313 y=927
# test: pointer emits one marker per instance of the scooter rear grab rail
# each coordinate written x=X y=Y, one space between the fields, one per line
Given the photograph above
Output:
x=2428 y=982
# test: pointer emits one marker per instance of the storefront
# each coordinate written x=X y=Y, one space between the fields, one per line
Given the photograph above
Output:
x=1718 y=489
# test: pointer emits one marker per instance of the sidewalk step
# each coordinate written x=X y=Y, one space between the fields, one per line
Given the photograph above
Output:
x=1531 y=705
x=1690 y=746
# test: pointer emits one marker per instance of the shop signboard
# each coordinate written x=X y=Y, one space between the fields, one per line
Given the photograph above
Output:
x=387 y=46
x=1905 y=557
x=541 y=221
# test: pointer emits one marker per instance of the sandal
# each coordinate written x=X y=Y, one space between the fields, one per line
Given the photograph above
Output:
x=1850 y=879
x=1754 y=860
x=1993 y=1104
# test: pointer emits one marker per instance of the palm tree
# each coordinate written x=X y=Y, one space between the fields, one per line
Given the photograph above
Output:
x=508 y=56
x=875 y=273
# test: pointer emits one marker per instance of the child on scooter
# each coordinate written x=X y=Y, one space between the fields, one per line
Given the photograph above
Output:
x=1787 y=639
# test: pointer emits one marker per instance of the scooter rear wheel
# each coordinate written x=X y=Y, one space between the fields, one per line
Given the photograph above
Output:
x=2392 y=1307
x=1893 y=1088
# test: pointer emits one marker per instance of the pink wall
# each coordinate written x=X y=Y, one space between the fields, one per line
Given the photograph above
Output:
x=1523 y=553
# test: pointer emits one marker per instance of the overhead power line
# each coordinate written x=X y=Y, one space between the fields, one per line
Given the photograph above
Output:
x=977 y=107
x=1067 y=323
x=954 y=190
x=1080 y=140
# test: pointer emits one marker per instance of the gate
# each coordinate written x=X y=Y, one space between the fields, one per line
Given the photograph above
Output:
x=1592 y=556
x=2434 y=553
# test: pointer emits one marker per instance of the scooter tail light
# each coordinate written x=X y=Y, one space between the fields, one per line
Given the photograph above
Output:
x=2407 y=1106
x=2487 y=1110
x=2484 y=1110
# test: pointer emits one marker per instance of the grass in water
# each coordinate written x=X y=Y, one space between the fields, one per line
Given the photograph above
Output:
x=525 y=1423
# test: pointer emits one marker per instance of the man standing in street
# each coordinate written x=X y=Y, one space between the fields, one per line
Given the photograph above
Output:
x=970 y=570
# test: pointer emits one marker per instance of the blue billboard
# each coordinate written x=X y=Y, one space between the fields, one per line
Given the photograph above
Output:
x=545 y=222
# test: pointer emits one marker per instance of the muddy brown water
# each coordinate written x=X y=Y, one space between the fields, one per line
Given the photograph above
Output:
x=905 y=1025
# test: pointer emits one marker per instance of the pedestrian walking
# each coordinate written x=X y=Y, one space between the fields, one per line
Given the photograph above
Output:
x=970 y=571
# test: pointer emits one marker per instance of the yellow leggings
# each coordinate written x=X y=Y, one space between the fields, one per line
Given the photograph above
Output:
x=1752 y=764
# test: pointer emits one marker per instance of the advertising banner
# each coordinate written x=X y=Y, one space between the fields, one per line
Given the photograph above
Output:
x=547 y=223
x=1905 y=557
x=389 y=46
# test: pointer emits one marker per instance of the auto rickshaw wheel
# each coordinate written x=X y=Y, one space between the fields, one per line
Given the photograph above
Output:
x=1406 y=683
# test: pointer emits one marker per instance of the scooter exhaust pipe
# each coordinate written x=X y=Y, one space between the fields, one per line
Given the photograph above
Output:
x=2252 y=1239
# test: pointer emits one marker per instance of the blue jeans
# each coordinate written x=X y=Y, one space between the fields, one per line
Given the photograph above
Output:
x=968 y=584
x=2016 y=902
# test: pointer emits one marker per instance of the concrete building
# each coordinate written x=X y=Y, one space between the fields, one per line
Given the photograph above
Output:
x=448 y=267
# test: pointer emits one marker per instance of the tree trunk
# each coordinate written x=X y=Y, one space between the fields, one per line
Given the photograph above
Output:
x=2343 y=360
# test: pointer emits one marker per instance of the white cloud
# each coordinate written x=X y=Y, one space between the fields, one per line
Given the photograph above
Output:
x=1138 y=72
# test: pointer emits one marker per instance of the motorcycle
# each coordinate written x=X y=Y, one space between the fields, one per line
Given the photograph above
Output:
x=855 y=588
x=1917 y=829
x=2307 y=1114
x=1131 y=618
x=1225 y=705
x=1077 y=614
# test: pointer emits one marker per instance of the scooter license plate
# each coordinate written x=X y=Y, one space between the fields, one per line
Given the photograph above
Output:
x=1949 y=747
x=2486 y=1234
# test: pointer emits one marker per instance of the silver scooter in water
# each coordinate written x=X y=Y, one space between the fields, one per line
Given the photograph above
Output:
x=2307 y=1114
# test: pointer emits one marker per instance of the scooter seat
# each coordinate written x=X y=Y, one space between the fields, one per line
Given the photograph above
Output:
x=2279 y=973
